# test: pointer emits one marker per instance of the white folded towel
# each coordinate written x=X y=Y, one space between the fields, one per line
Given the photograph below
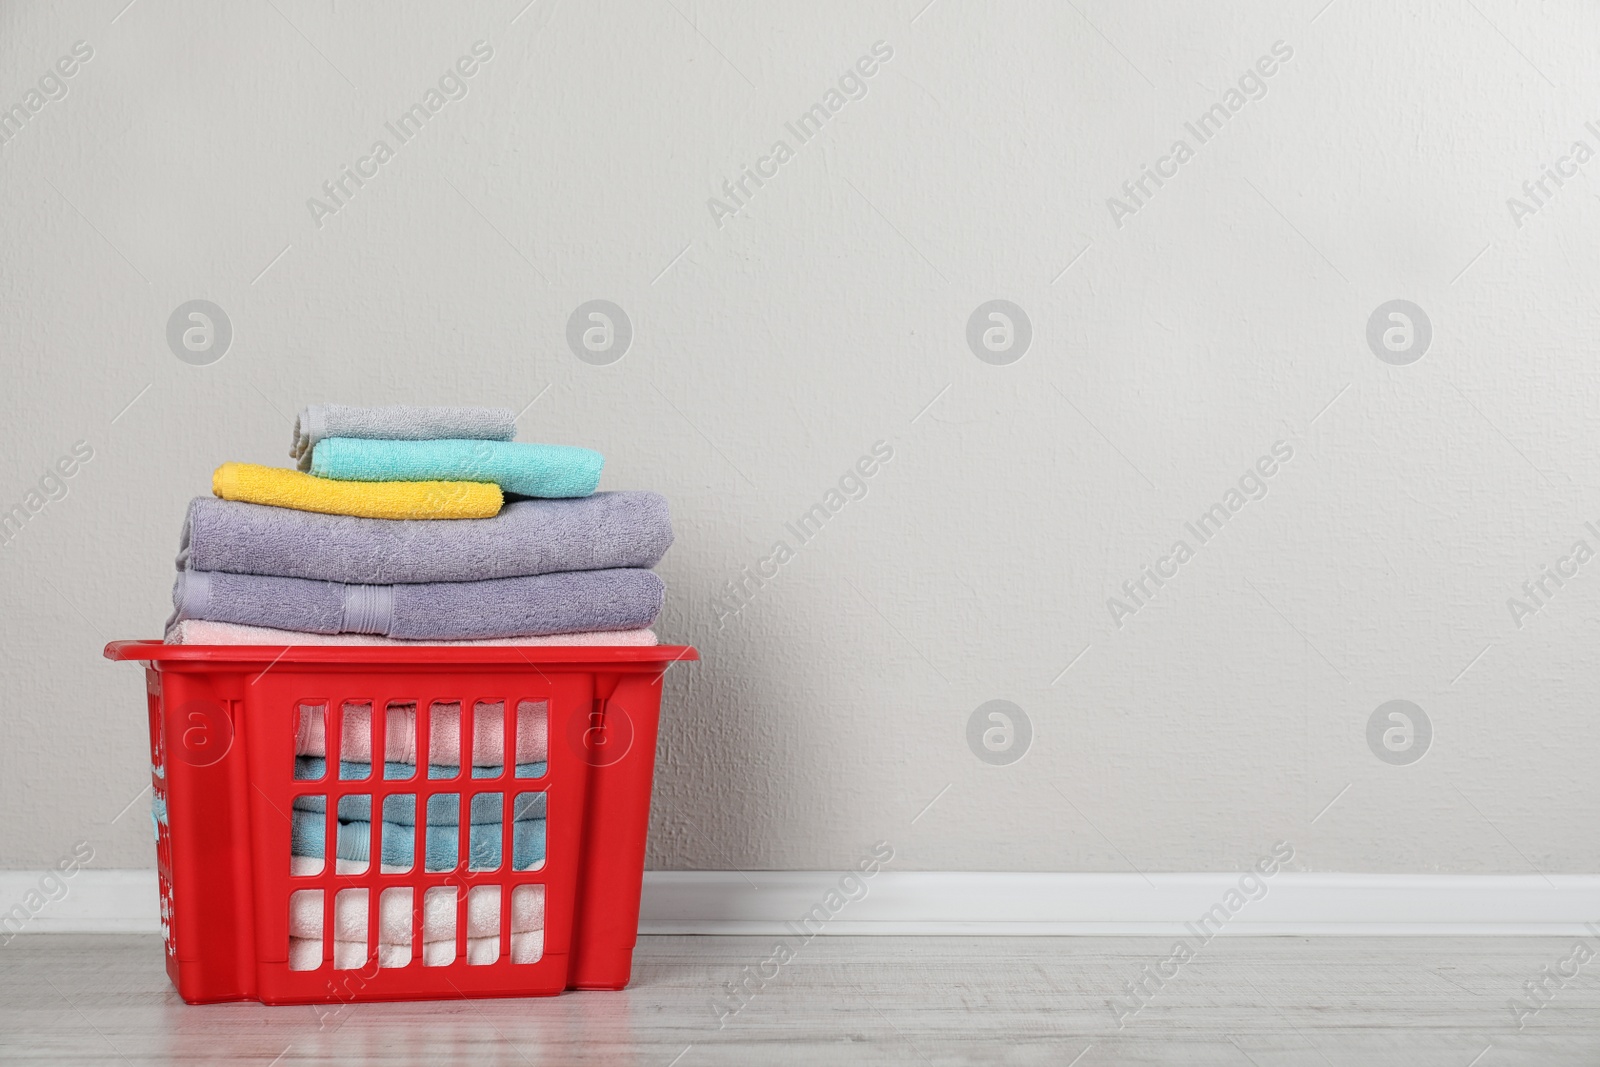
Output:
x=305 y=953
x=394 y=911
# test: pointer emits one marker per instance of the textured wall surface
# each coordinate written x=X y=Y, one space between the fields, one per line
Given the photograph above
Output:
x=1159 y=341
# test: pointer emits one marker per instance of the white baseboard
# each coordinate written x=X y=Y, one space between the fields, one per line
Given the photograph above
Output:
x=89 y=901
x=951 y=902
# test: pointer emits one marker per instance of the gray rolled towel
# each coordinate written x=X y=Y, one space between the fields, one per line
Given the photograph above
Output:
x=399 y=422
x=572 y=602
x=603 y=531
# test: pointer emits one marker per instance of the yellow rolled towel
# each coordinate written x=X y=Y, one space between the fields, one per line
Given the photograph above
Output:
x=282 y=488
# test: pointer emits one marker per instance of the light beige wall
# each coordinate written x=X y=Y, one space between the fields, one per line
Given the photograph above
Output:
x=772 y=349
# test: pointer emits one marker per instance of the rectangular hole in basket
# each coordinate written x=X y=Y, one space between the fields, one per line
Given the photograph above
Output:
x=533 y=739
x=439 y=926
x=443 y=841
x=527 y=923
x=400 y=740
x=444 y=739
x=310 y=740
x=483 y=925
x=484 y=854
x=394 y=927
x=527 y=832
x=349 y=929
x=355 y=742
x=488 y=739
x=398 y=833
x=305 y=929
x=307 y=827
x=354 y=850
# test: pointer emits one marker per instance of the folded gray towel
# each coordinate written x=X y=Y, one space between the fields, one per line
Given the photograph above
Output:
x=572 y=602
x=603 y=531
x=398 y=423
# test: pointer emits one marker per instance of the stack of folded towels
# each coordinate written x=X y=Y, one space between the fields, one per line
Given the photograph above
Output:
x=418 y=525
x=400 y=526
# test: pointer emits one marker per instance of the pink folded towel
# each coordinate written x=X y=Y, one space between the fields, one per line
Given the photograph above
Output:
x=394 y=913
x=305 y=953
x=200 y=632
x=444 y=744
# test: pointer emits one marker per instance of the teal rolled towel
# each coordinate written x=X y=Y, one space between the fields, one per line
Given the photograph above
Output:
x=523 y=469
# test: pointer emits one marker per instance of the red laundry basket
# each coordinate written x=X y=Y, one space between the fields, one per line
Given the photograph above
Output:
x=226 y=726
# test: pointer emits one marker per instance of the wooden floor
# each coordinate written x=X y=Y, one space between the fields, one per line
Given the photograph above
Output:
x=94 y=999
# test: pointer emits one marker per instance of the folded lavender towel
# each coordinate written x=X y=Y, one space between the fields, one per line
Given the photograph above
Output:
x=572 y=602
x=399 y=422
x=599 y=532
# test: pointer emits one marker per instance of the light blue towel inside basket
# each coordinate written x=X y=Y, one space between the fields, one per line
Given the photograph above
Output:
x=398 y=841
x=520 y=468
x=444 y=809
